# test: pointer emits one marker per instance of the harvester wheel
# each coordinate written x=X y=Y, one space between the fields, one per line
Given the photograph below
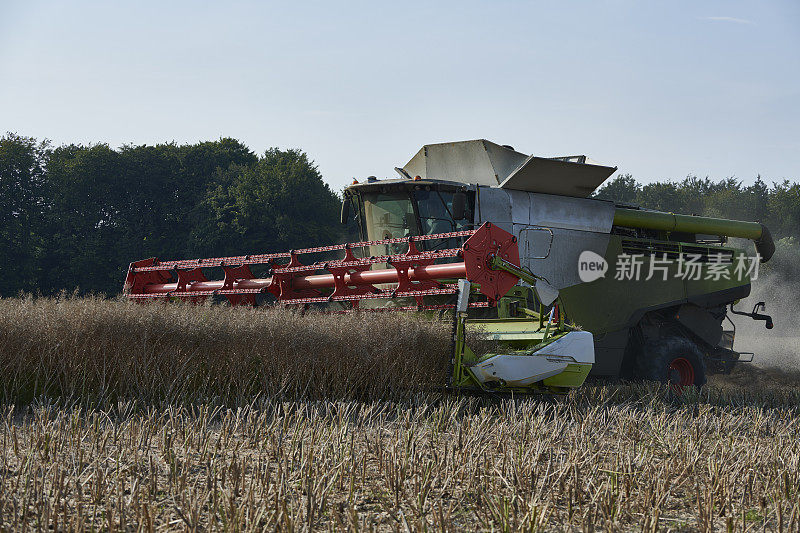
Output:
x=673 y=360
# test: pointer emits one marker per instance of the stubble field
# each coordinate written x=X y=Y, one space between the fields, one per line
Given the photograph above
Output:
x=127 y=417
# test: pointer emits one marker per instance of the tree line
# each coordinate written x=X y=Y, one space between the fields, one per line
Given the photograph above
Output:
x=73 y=217
x=776 y=205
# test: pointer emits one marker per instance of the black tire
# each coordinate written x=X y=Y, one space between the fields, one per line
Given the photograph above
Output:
x=675 y=360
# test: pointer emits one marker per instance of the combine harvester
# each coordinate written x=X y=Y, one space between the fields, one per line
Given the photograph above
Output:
x=514 y=245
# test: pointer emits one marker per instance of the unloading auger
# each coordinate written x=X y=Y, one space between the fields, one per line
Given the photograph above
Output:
x=532 y=351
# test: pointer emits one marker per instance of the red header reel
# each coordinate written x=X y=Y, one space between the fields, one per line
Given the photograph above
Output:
x=411 y=274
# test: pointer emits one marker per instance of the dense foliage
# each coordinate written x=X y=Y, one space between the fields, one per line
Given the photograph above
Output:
x=73 y=217
x=777 y=206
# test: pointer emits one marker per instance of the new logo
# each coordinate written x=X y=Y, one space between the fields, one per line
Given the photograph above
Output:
x=591 y=266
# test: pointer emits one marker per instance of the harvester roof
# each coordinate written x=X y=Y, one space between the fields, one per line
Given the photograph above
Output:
x=483 y=162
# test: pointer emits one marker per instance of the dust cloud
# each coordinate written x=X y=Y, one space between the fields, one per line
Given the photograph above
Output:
x=779 y=347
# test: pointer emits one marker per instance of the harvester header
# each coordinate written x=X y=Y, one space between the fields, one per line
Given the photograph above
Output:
x=415 y=273
x=547 y=354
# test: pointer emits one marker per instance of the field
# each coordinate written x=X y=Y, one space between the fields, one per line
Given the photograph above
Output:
x=118 y=416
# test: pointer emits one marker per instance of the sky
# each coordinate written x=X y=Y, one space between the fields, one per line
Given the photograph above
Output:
x=660 y=89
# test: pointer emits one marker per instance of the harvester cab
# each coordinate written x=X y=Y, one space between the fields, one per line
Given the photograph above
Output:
x=516 y=248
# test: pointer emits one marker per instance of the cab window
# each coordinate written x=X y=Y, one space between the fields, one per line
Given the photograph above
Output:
x=389 y=216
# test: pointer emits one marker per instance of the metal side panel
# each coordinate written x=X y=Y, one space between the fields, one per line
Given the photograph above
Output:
x=520 y=207
x=560 y=267
x=571 y=213
x=495 y=207
x=577 y=224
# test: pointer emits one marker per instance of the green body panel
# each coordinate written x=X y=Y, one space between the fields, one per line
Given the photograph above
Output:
x=609 y=304
x=572 y=377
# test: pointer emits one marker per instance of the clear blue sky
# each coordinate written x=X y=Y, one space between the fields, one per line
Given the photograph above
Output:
x=660 y=89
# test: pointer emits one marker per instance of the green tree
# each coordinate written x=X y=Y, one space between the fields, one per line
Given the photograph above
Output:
x=202 y=165
x=664 y=196
x=622 y=189
x=110 y=207
x=22 y=207
x=83 y=219
x=278 y=204
x=783 y=206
